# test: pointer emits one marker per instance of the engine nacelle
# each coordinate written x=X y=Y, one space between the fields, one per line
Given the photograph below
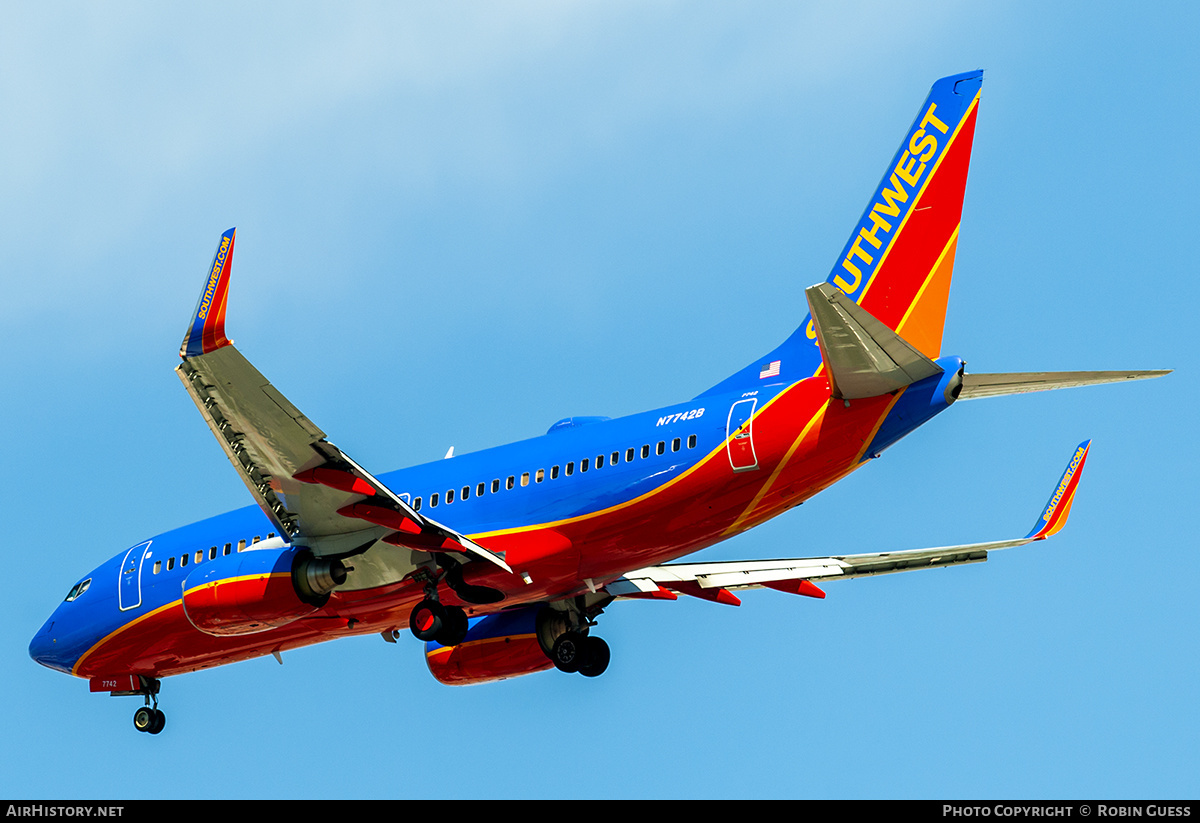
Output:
x=497 y=647
x=258 y=590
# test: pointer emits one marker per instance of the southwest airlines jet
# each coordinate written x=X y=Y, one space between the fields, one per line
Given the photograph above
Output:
x=501 y=561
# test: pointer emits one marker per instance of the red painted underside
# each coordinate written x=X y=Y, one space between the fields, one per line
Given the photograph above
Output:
x=697 y=510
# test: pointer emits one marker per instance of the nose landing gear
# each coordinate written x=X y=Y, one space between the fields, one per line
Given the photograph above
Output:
x=149 y=718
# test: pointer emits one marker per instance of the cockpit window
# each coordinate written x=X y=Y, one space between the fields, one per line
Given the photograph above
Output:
x=78 y=589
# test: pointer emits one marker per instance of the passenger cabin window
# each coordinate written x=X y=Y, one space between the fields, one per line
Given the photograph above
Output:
x=170 y=563
x=599 y=461
x=495 y=485
x=675 y=445
x=662 y=448
x=583 y=465
x=433 y=500
x=417 y=504
x=554 y=472
x=157 y=569
x=540 y=475
x=510 y=482
x=570 y=468
x=449 y=496
x=525 y=478
x=629 y=453
x=645 y=451
x=691 y=441
x=199 y=555
x=480 y=489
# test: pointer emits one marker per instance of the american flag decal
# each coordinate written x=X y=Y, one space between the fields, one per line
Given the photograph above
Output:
x=769 y=370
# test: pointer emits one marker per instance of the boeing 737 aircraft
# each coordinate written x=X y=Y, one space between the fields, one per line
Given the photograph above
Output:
x=501 y=561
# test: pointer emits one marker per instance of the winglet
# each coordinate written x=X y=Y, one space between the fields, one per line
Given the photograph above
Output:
x=1054 y=516
x=207 y=330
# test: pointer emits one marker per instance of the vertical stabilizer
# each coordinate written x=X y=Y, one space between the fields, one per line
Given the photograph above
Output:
x=897 y=263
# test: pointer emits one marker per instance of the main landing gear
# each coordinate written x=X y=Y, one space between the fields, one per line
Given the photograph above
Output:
x=447 y=625
x=563 y=629
x=578 y=652
x=430 y=620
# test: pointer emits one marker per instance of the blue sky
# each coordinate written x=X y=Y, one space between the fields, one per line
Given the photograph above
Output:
x=458 y=224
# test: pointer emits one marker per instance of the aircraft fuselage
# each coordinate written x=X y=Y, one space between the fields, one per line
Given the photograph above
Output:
x=580 y=503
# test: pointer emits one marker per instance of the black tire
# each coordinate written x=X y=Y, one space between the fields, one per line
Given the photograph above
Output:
x=597 y=655
x=427 y=619
x=143 y=719
x=454 y=627
x=569 y=652
x=160 y=722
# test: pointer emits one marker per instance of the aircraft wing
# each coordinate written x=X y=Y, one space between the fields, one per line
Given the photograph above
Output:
x=307 y=486
x=717 y=580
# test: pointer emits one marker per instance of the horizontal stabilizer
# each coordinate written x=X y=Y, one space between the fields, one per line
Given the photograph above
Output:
x=997 y=385
x=863 y=356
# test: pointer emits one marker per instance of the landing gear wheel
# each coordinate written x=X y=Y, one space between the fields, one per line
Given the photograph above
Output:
x=454 y=626
x=160 y=720
x=569 y=652
x=427 y=619
x=597 y=656
x=144 y=719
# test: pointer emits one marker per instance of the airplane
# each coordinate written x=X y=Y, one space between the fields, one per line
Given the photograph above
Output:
x=501 y=561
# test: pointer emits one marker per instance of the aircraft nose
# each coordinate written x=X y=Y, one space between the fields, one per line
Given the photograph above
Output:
x=44 y=648
x=42 y=643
